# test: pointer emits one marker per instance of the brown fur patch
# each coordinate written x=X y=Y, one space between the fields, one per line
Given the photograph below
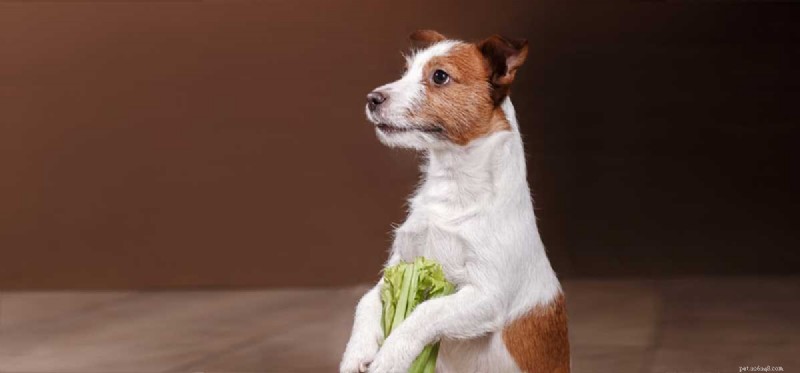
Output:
x=538 y=341
x=505 y=56
x=424 y=38
x=463 y=106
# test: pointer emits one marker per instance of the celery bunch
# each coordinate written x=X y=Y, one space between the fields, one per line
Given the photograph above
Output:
x=405 y=286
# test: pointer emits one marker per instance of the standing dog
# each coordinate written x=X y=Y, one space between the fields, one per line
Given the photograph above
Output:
x=472 y=213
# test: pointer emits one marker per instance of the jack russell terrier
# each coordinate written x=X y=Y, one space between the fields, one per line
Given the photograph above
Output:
x=472 y=213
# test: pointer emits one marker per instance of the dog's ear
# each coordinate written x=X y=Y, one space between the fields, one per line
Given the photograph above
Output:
x=425 y=38
x=505 y=56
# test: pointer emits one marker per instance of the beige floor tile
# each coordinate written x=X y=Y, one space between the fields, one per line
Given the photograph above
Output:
x=694 y=289
x=749 y=311
x=312 y=340
x=679 y=326
x=18 y=309
x=731 y=298
x=616 y=359
x=612 y=312
x=722 y=324
x=153 y=332
x=727 y=332
x=719 y=358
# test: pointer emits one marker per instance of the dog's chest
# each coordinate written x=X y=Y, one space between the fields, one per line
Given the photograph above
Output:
x=433 y=242
x=445 y=219
x=436 y=232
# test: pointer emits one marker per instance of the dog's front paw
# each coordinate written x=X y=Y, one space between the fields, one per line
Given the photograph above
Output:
x=395 y=357
x=358 y=356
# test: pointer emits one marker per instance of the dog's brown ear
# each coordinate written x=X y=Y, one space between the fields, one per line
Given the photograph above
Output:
x=505 y=56
x=425 y=38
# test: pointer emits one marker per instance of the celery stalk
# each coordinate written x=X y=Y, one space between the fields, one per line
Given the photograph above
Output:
x=405 y=286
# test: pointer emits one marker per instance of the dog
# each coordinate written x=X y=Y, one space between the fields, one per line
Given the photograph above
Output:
x=472 y=213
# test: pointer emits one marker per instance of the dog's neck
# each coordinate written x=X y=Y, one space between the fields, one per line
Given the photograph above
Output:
x=461 y=176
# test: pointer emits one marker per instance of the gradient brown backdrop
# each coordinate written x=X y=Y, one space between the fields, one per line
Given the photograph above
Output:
x=188 y=144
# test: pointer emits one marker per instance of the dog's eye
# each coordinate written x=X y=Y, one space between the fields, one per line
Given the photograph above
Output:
x=440 y=77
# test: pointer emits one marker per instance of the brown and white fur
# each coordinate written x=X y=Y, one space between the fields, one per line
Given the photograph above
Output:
x=472 y=213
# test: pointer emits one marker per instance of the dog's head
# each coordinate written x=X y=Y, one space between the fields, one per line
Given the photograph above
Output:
x=449 y=94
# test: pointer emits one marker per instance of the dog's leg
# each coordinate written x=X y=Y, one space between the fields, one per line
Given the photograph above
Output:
x=468 y=313
x=366 y=335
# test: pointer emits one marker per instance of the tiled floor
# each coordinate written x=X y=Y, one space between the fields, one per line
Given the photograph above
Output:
x=667 y=326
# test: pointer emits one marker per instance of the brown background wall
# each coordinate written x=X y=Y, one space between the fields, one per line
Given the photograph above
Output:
x=164 y=144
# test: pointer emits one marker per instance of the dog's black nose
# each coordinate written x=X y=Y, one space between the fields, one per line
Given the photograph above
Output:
x=374 y=99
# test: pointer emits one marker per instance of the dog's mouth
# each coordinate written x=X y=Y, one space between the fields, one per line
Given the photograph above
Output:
x=390 y=129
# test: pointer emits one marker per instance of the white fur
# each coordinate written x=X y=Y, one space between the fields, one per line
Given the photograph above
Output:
x=473 y=214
